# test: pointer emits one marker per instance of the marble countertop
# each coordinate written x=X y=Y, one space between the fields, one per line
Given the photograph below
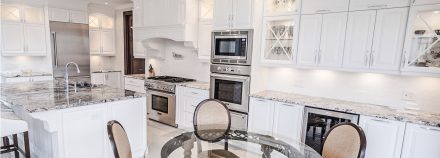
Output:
x=33 y=74
x=196 y=84
x=47 y=95
x=106 y=71
x=405 y=115
x=137 y=76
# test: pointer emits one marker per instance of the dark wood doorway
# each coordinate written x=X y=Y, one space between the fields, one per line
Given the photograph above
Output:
x=132 y=65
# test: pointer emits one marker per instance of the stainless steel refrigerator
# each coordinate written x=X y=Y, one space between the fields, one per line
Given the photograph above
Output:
x=70 y=43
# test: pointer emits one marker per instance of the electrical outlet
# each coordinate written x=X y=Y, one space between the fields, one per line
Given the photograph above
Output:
x=408 y=96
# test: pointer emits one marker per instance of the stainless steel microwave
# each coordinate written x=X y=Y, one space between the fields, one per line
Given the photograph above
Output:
x=232 y=47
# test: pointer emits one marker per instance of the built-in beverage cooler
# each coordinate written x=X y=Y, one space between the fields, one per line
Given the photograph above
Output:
x=318 y=122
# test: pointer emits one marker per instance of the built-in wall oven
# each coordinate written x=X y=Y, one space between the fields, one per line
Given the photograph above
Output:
x=232 y=47
x=318 y=122
x=231 y=84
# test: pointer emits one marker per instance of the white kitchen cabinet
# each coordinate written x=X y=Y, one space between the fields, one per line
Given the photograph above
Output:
x=232 y=14
x=74 y=124
x=379 y=143
x=421 y=141
x=112 y=79
x=359 y=39
x=15 y=35
x=389 y=36
x=324 y=6
x=136 y=85
x=138 y=13
x=101 y=35
x=70 y=16
x=309 y=37
x=424 y=2
x=277 y=7
x=206 y=11
x=204 y=41
x=422 y=42
x=375 y=39
x=280 y=120
x=321 y=40
x=167 y=9
x=261 y=116
x=25 y=28
x=288 y=121
x=35 y=39
x=80 y=17
x=377 y=4
x=57 y=14
x=187 y=100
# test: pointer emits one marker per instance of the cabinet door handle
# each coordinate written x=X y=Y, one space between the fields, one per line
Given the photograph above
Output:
x=366 y=57
x=323 y=10
x=261 y=100
x=431 y=129
x=194 y=93
x=404 y=59
x=372 y=58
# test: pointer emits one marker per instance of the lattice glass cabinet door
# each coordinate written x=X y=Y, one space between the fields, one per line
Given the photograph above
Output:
x=281 y=7
x=422 y=46
x=280 y=39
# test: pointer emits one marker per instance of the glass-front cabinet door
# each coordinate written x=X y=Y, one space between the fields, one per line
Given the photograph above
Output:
x=281 y=7
x=280 y=38
x=422 y=46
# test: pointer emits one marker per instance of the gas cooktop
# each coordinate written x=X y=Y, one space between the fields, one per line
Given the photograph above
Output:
x=171 y=79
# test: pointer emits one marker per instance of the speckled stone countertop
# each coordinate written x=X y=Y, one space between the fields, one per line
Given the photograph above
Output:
x=46 y=96
x=106 y=71
x=137 y=76
x=196 y=84
x=33 y=74
x=405 y=115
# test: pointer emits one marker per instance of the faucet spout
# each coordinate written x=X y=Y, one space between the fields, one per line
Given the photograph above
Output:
x=66 y=76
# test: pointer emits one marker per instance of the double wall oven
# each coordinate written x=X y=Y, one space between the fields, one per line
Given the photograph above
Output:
x=230 y=73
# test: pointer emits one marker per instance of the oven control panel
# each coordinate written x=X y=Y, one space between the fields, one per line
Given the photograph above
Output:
x=231 y=69
x=160 y=87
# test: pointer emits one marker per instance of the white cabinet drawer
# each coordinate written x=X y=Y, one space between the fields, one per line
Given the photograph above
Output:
x=188 y=119
x=191 y=103
x=139 y=89
x=134 y=82
x=198 y=93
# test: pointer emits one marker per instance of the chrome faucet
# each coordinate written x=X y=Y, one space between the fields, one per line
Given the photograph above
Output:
x=66 y=76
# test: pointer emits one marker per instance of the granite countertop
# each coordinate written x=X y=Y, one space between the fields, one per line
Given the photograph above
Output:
x=196 y=84
x=33 y=74
x=378 y=111
x=47 y=95
x=137 y=76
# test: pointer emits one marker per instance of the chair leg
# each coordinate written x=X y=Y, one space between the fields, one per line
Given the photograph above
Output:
x=16 y=153
x=26 y=145
x=226 y=144
x=314 y=132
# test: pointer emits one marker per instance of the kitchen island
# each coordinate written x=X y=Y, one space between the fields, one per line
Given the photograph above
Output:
x=74 y=124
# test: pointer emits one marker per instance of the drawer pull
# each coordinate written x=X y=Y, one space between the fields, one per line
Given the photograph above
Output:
x=431 y=129
x=377 y=6
x=261 y=100
x=194 y=93
x=377 y=120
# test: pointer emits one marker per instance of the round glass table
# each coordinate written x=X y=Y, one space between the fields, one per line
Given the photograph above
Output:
x=239 y=143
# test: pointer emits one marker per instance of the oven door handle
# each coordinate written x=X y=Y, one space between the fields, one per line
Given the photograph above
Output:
x=231 y=76
x=161 y=93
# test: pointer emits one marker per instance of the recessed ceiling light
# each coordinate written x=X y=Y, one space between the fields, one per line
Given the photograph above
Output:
x=436 y=12
x=106 y=3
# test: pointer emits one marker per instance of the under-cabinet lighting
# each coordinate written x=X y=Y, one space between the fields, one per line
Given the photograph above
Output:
x=436 y=12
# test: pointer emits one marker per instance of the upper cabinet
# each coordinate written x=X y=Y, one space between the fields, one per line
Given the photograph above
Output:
x=101 y=35
x=321 y=39
x=324 y=6
x=423 y=2
x=422 y=45
x=375 y=38
x=280 y=39
x=281 y=7
x=64 y=15
x=377 y=4
x=232 y=14
x=206 y=11
x=25 y=28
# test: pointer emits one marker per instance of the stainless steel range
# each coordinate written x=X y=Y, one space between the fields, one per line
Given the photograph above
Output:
x=161 y=98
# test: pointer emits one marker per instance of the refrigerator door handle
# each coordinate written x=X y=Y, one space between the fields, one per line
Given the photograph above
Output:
x=55 y=48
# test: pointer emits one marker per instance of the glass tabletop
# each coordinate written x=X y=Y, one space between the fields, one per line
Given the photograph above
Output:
x=234 y=143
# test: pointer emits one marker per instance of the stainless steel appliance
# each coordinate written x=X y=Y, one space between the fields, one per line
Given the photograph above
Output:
x=319 y=121
x=231 y=84
x=232 y=47
x=70 y=43
x=161 y=99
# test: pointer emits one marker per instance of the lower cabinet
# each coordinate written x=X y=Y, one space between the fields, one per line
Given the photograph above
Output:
x=112 y=79
x=187 y=100
x=281 y=120
x=384 y=137
x=421 y=142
